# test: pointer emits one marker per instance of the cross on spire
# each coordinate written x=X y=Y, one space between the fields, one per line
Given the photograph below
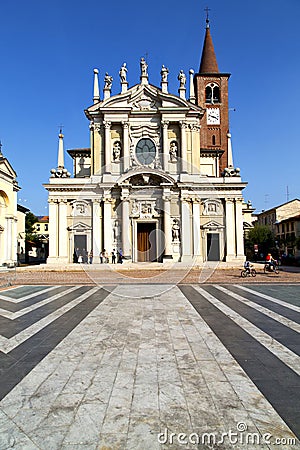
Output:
x=207 y=9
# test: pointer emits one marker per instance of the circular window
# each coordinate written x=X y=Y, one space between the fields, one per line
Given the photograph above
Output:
x=145 y=151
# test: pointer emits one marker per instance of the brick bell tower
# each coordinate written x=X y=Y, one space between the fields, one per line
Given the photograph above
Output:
x=211 y=91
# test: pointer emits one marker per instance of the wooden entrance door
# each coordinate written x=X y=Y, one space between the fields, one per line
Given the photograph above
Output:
x=146 y=242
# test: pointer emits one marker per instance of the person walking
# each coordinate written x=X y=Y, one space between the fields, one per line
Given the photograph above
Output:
x=120 y=256
x=91 y=257
x=113 y=256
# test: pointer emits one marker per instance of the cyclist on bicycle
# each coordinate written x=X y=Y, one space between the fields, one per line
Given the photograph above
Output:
x=247 y=266
x=271 y=261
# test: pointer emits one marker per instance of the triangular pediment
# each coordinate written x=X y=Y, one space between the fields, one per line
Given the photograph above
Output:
x=80 y=226
x=6 y=168
x=212 y=225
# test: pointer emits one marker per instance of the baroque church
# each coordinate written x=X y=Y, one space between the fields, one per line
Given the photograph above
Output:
x=158 y=180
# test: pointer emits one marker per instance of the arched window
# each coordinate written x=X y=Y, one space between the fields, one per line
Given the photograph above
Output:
x=212 y=93
x=208 y=94
x=213 y=140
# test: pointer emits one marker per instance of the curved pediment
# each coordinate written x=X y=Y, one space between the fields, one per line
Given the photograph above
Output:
x=144 y=176
x=144 y=98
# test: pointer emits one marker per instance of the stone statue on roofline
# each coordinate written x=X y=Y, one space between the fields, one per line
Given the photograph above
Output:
x=164 y=74
x=123 y=73
x=108 y=79
x=182 y=79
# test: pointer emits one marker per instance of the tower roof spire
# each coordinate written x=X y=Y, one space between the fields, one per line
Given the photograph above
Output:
x=208 y=62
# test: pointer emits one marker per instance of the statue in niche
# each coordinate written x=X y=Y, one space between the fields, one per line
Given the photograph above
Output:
x=116 y=151
x=116 y=230
x=144 y=67
x=108 y=79
x=175 y=230
x=173 y=151
x=182 y=79
x=164 y=74
x=123 y=73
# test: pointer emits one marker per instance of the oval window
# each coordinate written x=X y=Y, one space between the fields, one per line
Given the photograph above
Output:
x=145 y=151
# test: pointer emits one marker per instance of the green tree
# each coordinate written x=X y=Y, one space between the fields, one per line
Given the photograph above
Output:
x=30 y=220
x=262 y=236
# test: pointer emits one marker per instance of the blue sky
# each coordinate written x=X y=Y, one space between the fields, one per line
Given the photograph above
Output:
x=48 y=52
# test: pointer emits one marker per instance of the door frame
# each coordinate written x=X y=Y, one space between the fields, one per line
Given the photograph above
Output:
x=134 y=236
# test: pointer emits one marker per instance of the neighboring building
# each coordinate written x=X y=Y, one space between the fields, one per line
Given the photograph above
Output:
x=284 y=221
x=41 y=229
x=8 y=212
x=158 y=180
x=249 y=218
x=21 y=215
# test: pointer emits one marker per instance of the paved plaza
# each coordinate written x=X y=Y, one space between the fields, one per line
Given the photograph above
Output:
x=150 y=366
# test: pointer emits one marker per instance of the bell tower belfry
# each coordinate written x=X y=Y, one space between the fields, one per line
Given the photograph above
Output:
x=211 y=91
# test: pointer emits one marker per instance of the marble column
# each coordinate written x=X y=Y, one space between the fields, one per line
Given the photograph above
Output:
x=186 y=254
x=126 y=155
x=196 y=230
x=9 y=238
x=96 y=247
x=126 y=227
x=62 y=231
x=107 y=225
x=184 y=163
x=165 y=152
x=239 y=228
x=53 y=228
x=230 y=229
x=167 y=225
x=107 y=152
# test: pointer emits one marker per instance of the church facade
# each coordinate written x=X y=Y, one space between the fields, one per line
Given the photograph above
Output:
x=158 y=180
x=8 y=212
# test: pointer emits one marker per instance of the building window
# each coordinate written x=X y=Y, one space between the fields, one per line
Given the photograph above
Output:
x=212 y=93
x=46 y=227
x=214 y=140
x=38 y=227
x=145 y=151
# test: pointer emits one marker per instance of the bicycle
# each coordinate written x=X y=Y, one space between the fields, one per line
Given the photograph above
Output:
x=251 y=272
x=273 y=268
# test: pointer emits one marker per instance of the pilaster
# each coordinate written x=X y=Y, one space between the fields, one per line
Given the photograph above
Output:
x=107 y=125
x=165 y=152
x=184 y=164
x=125 y=224
x=167 y=224
x=107 y=226
x=186 y=231
x=126 y=153
x=96 y=230
x=53 y=231
x=239 y=228
x=230 y=229
x=62 y=231
x=196 y=230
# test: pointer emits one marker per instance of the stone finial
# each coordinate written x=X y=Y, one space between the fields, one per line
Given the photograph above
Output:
x=192 y=88
x=96 y=97
x=230 y=171
x=60 y=171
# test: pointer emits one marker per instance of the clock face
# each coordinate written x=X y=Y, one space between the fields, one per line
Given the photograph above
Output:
x=213 y=116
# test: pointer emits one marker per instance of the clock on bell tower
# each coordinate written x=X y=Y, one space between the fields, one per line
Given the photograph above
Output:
x=211 y=91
